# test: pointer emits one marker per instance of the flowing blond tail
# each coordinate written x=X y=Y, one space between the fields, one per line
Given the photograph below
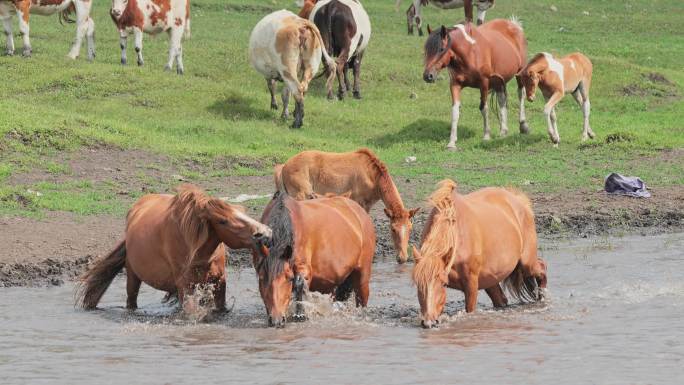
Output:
x=329 y=62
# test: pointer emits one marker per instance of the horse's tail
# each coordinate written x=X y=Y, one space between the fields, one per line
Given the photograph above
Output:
x=516 y=21
x=95 y=281
x=278 y=177
x=330 y=66
x=65 y=15
x=521 y=288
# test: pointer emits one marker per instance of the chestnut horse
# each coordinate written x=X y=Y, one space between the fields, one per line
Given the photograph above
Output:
x=359 y=172
x=325 y=245
x=555 y=78
x=174 y=243
x=473 y=242
x=487 y=57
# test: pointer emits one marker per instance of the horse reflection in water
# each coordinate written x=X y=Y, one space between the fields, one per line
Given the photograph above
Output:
x=324 y=244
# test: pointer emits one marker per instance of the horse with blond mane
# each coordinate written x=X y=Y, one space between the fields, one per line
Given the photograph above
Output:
x=472 y=242
x=174 y=243
x=359 y=172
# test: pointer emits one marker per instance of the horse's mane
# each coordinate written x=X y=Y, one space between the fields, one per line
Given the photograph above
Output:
x=533 y=61
x=441 y=240
x=434 y=43
x=280 y=221
x=385 y=183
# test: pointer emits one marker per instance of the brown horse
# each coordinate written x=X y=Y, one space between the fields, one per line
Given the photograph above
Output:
x=556 y=77
x=174 y=243
x=359 y=172
x=473 y=242
x=325 y=245
x=484 y=57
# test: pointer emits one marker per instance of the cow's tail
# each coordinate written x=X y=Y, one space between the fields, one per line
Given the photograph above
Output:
x=330 y=66
x=95 y=281
x=65 y=15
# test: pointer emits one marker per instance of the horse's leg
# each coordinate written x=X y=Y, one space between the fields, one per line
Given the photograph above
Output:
x=502 y=100
x=217 y=280
x=285 y=96
x=468 y=10
x=6 y=17
x=554 y=120
x=410 y=14
x=455 y=113
x=175 y=49
x=551 y=101
x=23 y=7
x=123 y=41
x=470 y=290
x=524 y=128
x=132 y=288
x=418 y=18
x=82 y=25
x=586 y=109
x=481 y=16
x=497 y=296
x=90 y=34
x=271 y=84
x=484 y=108
x=295 y=90
x=180 y=68
x=347 y=86
x=360 y=279
x=138 y=36
x=357 y=75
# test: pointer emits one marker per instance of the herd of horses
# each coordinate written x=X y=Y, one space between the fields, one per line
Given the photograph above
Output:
x=316 y=234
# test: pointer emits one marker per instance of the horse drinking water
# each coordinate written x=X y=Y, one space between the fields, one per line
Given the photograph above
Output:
x=472 y=242
x=325 y=245
x=174 y=243
x=486 y=58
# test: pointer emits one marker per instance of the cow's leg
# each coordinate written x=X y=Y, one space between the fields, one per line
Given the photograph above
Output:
x=347 y=86
x=6 y=17
x=455 y=114
x=484 y=108
x=502 y=100
x=357 y=75
x=524 y=128
x=271 y=83
x=550 y=114
x=138 y=37
x=285 y=96
x=174 y=44
x=123 y=41
x=178 y=35
x=83 y=23
x=289 y=77
x=23 y=7
x=341 y=63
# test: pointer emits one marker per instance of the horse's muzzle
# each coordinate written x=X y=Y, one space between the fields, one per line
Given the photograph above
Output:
x=263 y=238
x=278 y=322
x=429 y=77
x=429 y=324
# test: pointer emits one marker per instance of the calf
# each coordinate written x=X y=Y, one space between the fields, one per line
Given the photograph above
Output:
x=555 y=78
x=281 y=45
x=85 y=26
x=153 y=17
x=345 y=28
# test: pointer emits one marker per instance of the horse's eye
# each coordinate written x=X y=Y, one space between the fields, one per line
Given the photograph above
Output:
x=223 y=222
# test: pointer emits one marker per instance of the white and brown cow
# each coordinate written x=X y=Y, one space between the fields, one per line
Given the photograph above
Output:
x=283 y=45
x=153 y=17
x=85 y=26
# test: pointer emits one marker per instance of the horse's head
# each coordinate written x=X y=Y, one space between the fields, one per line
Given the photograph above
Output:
x=530 y=80
x=401 y=226
x=118 y=8
x=234 y=227
x=431 y=278
x=276 y=281
x=438 y=53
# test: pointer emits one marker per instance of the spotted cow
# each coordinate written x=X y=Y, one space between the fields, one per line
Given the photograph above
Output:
x=85 y=26
x=153 y=17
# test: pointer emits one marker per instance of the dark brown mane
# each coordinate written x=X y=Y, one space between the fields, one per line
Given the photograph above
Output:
x=280 y=221
x=388 y=190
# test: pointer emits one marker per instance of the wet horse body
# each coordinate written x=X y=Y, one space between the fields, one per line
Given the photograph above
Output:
x=361 y=173
x=474 y=242
x=555 y=78
x=487 y=58
x=174 y=243
x=413 y=14
x=324 y=245
x=85 y=26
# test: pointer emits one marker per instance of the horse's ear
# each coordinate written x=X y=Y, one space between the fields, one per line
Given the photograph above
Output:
x=416 y=253
x=413 y=212
x=429 y=30
x=347 y=194
x=443 y=32
x=388 y=213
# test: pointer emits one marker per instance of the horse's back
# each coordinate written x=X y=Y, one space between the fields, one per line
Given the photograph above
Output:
x=508 y=44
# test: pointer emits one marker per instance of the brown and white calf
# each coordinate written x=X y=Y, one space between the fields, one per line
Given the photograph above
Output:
x=555 y=78
x=283 y=45
x=153 y=17
x=85 y=26
x=413 y=15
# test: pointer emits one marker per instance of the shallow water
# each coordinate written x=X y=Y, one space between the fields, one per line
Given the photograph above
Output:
x=613 y=316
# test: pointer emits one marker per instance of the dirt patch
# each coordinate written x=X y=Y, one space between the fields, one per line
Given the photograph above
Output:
x=653 y=84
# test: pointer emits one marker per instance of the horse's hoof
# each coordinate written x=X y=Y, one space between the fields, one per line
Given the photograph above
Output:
x=26 y=53
x=357 y=95
x=284 y=115
x=592 y=135
x=299 y=317
x=297 y=124
x=420 y=32
x=340 y=95
x=124 y=62
x=331 y=97
x=274 y=106
x=9 y=53
x=142 y=63
x=486 y=137
x=504 y=133
x=180 y=71
x=524 y=128
x=166 y=67
x=452 y=147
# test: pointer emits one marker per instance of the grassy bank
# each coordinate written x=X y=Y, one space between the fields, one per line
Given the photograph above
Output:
x=217 y=116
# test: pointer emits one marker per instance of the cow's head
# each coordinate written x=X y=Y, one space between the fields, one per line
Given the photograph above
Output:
x=118 y=8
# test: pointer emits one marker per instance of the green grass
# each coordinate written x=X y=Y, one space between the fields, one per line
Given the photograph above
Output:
x=220 y=108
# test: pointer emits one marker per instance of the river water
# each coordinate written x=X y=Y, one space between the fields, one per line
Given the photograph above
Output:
x=614 y=315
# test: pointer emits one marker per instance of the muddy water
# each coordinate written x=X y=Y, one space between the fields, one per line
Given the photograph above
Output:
x=614 y=316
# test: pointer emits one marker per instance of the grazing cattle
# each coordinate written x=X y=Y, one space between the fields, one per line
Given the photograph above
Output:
x=346 y=30
x=361 y=173
x=281 y=46
x=486 y=58
x=555 y=78
x=413 y=16
x=153 y=17
x=85 y=26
